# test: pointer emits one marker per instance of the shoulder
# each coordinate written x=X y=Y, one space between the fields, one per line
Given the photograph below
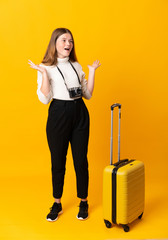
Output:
x=43 y=65
x=77 y=65
x=47 y=67
x=79 y=69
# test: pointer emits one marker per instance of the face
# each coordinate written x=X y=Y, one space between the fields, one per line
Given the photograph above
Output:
x=64 y=45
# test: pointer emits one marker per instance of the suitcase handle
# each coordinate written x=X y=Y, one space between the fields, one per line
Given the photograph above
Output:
x=111 y=149
x=115 y=105
x=121 y=161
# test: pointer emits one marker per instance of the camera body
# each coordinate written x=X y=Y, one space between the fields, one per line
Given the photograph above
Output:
x=75 y=92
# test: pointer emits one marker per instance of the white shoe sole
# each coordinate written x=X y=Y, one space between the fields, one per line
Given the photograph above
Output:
x=50 y=220
x=82 y=219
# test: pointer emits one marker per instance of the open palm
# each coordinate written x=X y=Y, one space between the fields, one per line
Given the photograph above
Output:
x=36 y=66
x=95 y=65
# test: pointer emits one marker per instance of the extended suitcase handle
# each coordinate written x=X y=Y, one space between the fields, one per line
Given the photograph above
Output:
x=115 y=105
x=111 y=152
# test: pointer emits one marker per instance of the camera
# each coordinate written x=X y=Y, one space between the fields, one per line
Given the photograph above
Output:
x=75 y=92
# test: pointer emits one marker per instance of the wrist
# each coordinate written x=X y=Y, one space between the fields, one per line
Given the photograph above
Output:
x=44 y=72
x=91 y=69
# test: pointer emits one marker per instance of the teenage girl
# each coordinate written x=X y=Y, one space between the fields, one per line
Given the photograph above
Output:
x=61 y=79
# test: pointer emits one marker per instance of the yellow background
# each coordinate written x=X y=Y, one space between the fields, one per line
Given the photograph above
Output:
x=130 y=40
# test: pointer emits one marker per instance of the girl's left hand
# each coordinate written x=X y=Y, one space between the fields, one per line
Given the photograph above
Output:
x=95 y=65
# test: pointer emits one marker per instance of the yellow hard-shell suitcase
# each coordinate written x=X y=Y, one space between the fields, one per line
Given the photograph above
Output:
x=123 y=187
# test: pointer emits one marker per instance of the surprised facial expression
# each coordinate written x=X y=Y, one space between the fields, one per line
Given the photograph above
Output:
x=64 y=45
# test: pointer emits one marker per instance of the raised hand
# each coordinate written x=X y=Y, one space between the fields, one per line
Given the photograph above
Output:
x=95 y=65
x=36 y=66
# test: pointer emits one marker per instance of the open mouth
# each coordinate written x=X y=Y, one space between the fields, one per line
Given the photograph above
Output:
x=67 y=49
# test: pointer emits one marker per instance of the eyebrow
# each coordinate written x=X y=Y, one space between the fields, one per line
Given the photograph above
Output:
x=66 y=38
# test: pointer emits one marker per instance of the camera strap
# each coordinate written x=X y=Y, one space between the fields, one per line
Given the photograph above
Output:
x=64 y=77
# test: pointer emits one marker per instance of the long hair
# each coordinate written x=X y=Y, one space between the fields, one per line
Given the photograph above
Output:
x=50 y=57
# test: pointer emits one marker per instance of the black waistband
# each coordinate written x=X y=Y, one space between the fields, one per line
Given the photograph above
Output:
x=60 y=100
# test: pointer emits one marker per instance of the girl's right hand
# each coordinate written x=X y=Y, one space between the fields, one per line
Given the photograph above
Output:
x=37 y=67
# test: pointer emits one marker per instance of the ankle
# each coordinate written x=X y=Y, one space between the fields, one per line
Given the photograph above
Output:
x=84 y=200
x=58 y=200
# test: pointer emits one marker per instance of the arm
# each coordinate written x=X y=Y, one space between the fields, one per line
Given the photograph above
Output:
x=91 y=77
x=45 y=86
x=43 y=91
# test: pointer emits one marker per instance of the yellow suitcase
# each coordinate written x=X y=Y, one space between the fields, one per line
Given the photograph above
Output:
x=123 y=187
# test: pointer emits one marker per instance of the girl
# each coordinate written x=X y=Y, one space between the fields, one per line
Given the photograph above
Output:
x=61 y=79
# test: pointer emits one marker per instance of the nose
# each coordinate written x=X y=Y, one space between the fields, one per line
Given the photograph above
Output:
x=68 y=43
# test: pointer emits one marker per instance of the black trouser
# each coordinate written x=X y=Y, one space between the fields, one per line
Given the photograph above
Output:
x=68 y=121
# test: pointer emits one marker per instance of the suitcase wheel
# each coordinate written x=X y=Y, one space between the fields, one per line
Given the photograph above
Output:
x=140 y=216
x=108 y=224
x=126 y=228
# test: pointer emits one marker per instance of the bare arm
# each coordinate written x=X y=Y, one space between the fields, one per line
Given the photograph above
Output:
x=91 y=77
x=43 y=91
x=45 y=86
